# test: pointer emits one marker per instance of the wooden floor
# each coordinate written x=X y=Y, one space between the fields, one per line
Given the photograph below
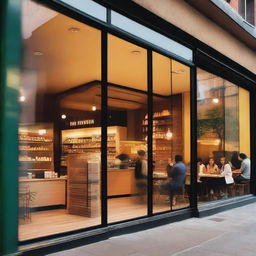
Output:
x=51 y=222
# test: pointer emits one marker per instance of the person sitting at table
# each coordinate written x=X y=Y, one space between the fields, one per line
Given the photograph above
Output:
x=211 y=167
x=200 y=168
x=226 y=172
x=177 y=178
x=245 y=169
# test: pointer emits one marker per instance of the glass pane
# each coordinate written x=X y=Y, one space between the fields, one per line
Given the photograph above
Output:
x=127 y=130
x=223 y=138
x=250 y=11
x=171 y=134
x=90 y=7
x=242 y=7
x=150 y=35
x=49 y=189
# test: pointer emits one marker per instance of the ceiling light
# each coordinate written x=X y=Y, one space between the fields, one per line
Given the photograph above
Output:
x=63 y=116
x=215 y=100
x=41 y=131
x=74 y=29
x=136 y=52
x=94 y=108
x=37 y=53
x=22 y=98
x=168 y=134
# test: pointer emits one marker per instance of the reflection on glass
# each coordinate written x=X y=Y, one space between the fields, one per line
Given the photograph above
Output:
x=90 y=7
x=127 y=130
x=171 y=134
x=71 y=57
x=150 y=35
x=220 y=141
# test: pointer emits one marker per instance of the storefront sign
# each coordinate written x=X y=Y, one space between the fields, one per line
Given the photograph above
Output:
x=81 y=122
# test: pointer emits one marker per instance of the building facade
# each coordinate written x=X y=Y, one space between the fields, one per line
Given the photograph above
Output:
x=100 y=100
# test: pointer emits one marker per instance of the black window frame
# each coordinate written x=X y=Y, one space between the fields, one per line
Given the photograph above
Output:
x=203 y=56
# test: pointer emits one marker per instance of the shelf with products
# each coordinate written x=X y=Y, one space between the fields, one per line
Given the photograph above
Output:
x=88 y=141
x=36 y=148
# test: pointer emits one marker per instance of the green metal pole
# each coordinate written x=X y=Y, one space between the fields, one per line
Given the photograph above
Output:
x=10 y=43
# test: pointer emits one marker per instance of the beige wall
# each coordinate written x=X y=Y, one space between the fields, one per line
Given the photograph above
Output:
x=182 y=15
x=244 y=121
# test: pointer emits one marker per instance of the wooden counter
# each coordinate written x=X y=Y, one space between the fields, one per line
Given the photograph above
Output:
x=46 y=192
x=120 y=181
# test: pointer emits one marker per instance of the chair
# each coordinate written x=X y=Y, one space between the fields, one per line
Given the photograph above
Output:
x=24 y=203
x=173 y=193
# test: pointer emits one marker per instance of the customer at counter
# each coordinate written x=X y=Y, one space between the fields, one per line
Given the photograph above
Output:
x=122 y=161
x=141 y=172
x=245 y=169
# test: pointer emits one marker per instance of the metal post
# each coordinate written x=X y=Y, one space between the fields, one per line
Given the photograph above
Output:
x=9 y=116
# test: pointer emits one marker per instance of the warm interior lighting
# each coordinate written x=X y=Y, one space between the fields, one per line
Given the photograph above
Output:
x=94 y=108
x=168 y=134
x=63 y=116
x=41 y=131
x=215 y=100
x=22 y=98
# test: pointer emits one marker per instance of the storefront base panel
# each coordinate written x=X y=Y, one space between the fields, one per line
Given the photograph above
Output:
x=96 y=235
x=211 y=208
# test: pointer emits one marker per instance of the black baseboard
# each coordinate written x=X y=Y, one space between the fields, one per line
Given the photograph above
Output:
x=119 y=196
x=46 y=208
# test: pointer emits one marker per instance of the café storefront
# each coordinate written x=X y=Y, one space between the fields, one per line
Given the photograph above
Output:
x=98 y=90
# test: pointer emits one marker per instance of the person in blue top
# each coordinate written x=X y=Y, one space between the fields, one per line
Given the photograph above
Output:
x=245 y=169
x=177 y=177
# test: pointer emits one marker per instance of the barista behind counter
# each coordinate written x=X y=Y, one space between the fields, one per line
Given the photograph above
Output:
x=121 y=177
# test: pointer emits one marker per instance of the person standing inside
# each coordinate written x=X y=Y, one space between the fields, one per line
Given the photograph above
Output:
x=141 y=173
x=245 y=169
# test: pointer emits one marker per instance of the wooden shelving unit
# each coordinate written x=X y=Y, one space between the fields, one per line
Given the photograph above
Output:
x=162 y=144
x=35 y=151
x=90 y=143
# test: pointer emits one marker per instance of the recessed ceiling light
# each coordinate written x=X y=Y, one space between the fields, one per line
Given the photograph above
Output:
x=74 y=29
x=94 y=108
x=63 y=116
x=22 y=98
x=136 y=52
x=37 y=53
x=215 y=100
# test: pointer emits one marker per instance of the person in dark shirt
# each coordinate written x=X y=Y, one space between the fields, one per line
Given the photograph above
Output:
x=177 y=177
x=141 y=172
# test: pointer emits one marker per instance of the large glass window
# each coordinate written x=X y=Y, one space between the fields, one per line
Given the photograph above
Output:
x=171 y=133
x=223 y=126
x=127 y=110
x=60 y=129
x=59 y=181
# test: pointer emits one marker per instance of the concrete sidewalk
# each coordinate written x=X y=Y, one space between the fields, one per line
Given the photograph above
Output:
x=231 y=232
